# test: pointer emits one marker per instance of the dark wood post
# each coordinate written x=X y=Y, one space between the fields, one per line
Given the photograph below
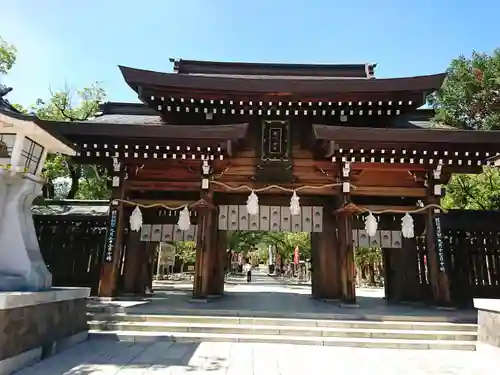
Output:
x=131 y=270
x=440 y=285
x=206 y=254
x=219 y=264
x=326 y=282
x=346 y=251
x=115 y=233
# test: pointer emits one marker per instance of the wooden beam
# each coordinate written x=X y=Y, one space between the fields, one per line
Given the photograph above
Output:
x=388 y=167
x=389 y=191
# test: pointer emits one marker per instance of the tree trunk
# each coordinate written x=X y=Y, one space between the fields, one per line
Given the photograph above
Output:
x=48 y=190
x=75 y=174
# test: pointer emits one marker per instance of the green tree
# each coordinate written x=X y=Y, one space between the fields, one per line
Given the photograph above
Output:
x=8 y=55
x=474 y=192
x=285 y=243
x=87 y=181
x=470 y=99
x=470 y=95
x=186 y=252
x=369 y=264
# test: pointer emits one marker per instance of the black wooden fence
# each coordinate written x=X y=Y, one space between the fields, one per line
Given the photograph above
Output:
x=472 y=249
x=72 y=235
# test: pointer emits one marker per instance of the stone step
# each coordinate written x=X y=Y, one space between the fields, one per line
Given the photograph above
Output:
x=286 y=322
x=259 y=330
x=138 y=336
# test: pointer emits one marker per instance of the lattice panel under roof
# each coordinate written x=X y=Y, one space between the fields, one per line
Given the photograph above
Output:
x=426 y=155
x=282 y=108
x=149 y=151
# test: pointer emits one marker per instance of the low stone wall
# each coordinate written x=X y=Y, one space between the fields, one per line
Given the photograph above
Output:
x=488 y=338
x=35 y=325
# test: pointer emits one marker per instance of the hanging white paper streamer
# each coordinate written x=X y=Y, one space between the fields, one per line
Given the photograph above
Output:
x=253 y=204
x=184 y=222
x=371 y=225
x=136 y=219
x=407 y=227
x=294 y=205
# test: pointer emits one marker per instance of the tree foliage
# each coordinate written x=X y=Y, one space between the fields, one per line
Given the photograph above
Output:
x=474 y=192
x=284 y=242
x=185 y=250
x=470 y=99
x=86 y=181
x=470 y=95
x=8 y=55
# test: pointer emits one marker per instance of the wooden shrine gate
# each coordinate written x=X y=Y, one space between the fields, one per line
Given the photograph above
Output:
x=210 y=133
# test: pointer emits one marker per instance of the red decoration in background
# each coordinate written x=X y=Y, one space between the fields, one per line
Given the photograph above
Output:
x=296 y=256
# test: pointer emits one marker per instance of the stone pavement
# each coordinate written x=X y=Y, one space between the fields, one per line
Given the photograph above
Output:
x=109 y=358
x=272 y=297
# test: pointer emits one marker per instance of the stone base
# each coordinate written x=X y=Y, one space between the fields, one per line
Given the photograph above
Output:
x=30 y=357
x=34 y=325
x=488 y=334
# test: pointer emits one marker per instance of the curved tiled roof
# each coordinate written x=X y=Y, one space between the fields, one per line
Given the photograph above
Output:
x=284 y=86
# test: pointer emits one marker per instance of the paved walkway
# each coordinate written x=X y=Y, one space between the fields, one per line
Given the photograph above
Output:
x=105 y=357
x=274 y=297
x=162 y=358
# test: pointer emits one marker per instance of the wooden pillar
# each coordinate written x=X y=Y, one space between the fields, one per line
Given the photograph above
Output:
x=325 y=261
x=131 y=271
x=114 y=236
x=346 y=251
x=438 y=276
x=145 y=275
x=206 y=254
x=219 y=264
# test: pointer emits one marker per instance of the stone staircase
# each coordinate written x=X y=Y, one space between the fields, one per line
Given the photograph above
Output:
x=394 y=334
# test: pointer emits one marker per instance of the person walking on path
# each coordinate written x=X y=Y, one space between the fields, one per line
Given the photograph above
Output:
x=247 y=268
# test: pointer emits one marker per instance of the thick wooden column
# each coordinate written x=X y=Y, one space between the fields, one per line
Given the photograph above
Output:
x=438 y=276
x=325 y=260
x=206 y=252
x=131 y=271
x=346 y=251
x=114 y=237
x=219 y=264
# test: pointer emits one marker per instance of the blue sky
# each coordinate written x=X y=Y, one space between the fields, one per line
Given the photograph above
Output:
x=79 y=42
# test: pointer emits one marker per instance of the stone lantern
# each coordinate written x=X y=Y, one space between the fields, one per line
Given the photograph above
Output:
x=23 y=149
x=36 y=319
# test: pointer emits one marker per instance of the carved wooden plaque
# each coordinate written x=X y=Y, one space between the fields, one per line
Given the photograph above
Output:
x=275 y=140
